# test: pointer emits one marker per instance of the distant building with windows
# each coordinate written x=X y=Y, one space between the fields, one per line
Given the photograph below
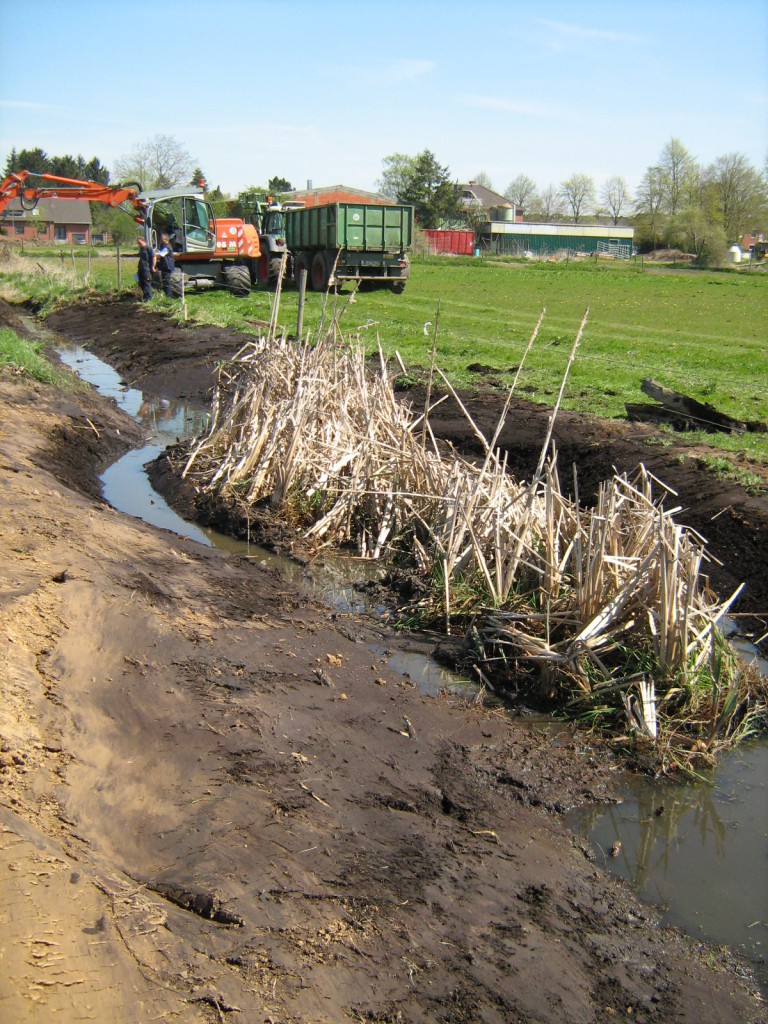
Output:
x=64 y=221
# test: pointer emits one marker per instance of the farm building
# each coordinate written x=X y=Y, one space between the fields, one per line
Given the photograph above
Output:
x=504 y=237
x=754 y=245
x=67 y=221
x=334 y=194
x=477 y=197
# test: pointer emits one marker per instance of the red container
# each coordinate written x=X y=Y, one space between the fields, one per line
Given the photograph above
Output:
x=459 y=243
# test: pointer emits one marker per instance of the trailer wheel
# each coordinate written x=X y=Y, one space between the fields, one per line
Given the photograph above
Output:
x=319 y=273
x=177 y=283
x=398 y=287
x=237 y=280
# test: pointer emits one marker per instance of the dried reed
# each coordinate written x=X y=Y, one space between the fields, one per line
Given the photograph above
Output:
x=609 y=603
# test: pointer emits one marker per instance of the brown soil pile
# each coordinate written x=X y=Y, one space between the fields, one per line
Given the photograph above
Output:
x=218 y=802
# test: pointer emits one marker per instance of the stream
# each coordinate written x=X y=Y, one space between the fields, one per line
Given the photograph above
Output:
x=697 y=850
x=337 y=579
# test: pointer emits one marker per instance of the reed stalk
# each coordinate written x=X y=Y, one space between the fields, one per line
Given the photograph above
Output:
x=607 y=604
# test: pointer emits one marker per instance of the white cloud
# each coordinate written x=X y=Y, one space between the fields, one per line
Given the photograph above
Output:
x=394 y=71
x=405 y=70
x=582 y=32
x=512 y=106
x=26 y=105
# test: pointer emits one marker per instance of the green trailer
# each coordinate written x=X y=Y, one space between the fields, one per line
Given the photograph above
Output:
x=351 y=242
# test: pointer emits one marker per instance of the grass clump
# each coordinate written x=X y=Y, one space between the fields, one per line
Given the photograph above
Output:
x=726 y=469
x=24 y=359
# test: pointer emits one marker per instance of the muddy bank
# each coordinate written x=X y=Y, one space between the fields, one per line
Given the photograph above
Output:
x=217 y=802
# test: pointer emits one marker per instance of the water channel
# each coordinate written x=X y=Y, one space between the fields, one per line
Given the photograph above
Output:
x=698 y=850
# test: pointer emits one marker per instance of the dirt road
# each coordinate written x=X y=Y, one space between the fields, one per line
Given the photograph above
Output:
x=217 y=802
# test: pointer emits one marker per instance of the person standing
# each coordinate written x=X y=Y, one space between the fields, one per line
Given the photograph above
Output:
x=146 y=265
x=165 y=263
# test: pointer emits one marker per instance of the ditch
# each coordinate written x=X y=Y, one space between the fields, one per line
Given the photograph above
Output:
x=698 y=850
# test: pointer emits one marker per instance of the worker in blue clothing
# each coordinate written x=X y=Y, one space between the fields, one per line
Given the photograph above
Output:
x=165 y=263
x=145 y=269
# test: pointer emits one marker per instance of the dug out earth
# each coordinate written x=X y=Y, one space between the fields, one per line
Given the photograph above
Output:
x=218 y=801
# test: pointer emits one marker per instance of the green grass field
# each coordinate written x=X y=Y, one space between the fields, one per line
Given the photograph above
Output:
x=704 y=333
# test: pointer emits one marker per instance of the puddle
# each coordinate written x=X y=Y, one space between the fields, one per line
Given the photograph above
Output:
x=697 y=850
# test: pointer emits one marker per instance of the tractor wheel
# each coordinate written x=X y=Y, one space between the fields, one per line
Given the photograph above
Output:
x=177 y=283
x=319 y=273
x=263 y=270
x=275 y=266
x=237 y=280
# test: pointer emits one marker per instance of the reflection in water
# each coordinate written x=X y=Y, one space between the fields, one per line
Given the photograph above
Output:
x=126 y=487
x=167 y=419
x=700 y=851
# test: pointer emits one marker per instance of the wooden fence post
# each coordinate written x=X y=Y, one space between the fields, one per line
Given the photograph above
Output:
x=302 y=283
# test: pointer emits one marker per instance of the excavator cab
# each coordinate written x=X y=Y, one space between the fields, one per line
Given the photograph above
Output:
x=187 y=220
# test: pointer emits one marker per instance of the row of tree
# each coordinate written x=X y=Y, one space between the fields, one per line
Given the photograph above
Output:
x=160 y=162
x=67 y=166
x=673 y=194
x=679 y=203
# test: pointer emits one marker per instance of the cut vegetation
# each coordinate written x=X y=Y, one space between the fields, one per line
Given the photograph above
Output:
x=598 y=611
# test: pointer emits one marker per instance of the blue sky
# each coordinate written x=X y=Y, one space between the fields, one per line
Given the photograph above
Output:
x=324 y=91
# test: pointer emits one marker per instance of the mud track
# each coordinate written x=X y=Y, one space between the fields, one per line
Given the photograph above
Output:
x=193 y=828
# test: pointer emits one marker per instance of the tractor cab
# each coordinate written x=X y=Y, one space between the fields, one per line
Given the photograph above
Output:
x=273 y=221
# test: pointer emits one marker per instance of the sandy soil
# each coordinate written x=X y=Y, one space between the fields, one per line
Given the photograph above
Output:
x=217 y=802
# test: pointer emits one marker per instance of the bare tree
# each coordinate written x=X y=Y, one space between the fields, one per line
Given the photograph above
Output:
x=648 y=205
x=578 y=191
x=483 y=179
x=614 y=195
x=678 y=174
x=547 y=205
x=521 y=191
x=161 y=162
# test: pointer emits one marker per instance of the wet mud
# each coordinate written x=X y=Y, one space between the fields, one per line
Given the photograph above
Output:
x=219 y=802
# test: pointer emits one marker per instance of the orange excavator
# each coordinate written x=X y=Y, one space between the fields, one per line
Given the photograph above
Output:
x=207 y=252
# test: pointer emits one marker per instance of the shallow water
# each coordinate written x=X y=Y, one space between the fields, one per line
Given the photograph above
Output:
x=698 y=850
x=338 y=580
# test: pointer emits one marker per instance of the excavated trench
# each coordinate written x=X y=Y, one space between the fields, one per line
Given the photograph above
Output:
x=698 y=850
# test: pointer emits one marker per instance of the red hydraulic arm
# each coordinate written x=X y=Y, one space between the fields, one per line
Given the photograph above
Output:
x=17 y=186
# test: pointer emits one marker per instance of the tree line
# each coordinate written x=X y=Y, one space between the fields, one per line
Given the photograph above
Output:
x=679 y=203
x=67 y=166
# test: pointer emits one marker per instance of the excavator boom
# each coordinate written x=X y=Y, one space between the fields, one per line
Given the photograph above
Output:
x=19 y=186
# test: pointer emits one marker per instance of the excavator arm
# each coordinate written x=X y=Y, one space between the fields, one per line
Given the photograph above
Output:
x=208 y=251
x=18 y=186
